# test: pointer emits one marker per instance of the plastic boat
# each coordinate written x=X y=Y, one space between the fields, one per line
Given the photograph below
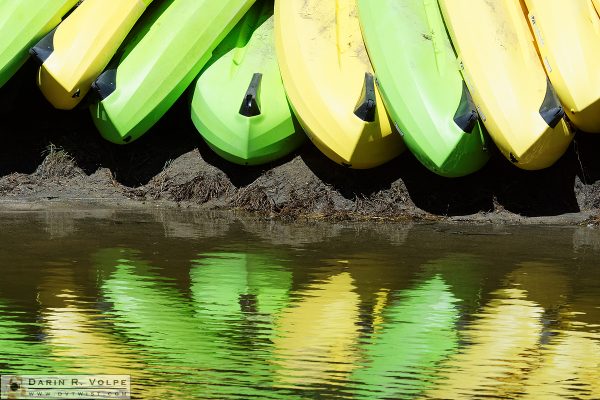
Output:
x=330 y=84
x=421 y=84
x=76 y=52
x=159 y=61
x=239 y=104
x=503 y=72
x=567 y=34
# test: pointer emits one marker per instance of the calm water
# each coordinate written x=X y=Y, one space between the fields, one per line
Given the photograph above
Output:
x=210 y=306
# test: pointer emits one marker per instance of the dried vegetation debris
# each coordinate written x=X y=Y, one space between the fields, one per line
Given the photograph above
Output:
x=57 y=164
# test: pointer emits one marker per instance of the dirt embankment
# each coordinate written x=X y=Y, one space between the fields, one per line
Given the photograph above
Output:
x=54 y=156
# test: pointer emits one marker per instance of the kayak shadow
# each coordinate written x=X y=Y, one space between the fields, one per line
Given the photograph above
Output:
x=546 y=192
x=22 y=120
x=407 y=181
x=587 y=162
x=31 y=126
x=498 y=186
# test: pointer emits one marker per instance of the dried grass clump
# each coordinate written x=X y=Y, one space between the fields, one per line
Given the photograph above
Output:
x=160 y=185
x=299 y=205
x=388 y=203
x=201 y=189
x=57 y=164
x=254 y=198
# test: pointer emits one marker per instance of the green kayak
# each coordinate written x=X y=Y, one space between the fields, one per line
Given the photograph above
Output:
x=23 y=23
x=159 y=61
x=239 y=104
x=422 y=88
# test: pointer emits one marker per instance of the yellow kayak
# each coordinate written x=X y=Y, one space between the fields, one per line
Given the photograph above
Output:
x=597 y=5
x=567 y=34
x=74 y=54
x=501 y=67
x=329 y=81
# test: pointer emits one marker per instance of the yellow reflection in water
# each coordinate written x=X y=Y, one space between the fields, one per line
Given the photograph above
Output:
x=569 y=367
x=381 y=301
x=72 y=333
x=506 y=355
x=569 y=364
x=499 y=351
x=316 y=338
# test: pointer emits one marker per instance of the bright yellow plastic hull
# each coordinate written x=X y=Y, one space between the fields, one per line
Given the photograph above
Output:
x=507 y=80
x=567 y=34
x=83 y=45
x=323 y=63
x=597 y=5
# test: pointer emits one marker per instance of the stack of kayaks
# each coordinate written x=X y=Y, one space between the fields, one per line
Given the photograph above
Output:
x=239 y=104
x=447 y=72
x=159 y=63
x=421 y=84
x=330 y=84
x=23 y=23
x=77 y=51
x=567 y=34
x=515 y=99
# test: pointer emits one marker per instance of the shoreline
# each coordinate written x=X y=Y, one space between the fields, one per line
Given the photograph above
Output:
x=75 y=205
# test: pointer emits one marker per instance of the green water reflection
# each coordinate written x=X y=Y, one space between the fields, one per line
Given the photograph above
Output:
x=239 y=309
x=416 y=332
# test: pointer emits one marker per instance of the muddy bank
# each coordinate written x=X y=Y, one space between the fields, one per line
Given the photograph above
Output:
x=51 y=156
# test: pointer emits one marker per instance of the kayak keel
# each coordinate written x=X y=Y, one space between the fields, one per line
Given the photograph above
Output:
x=367 y=103
x=250 y=105
x=105 y=84
x=551 y=110
x=466 y=114
x=44 y=48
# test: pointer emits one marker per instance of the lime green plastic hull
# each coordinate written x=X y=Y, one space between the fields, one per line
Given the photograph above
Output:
x=421 y=84
x=246 y=130
x=160 y=60
x=23 y=23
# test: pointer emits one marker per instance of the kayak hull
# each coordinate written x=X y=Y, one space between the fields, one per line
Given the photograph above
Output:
x=422 y=86
x=328 y=77
x=27 y=21
x=567 y=34
x=228 y=124
x=91 y=35
x=159 y=62
x=514 y=98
